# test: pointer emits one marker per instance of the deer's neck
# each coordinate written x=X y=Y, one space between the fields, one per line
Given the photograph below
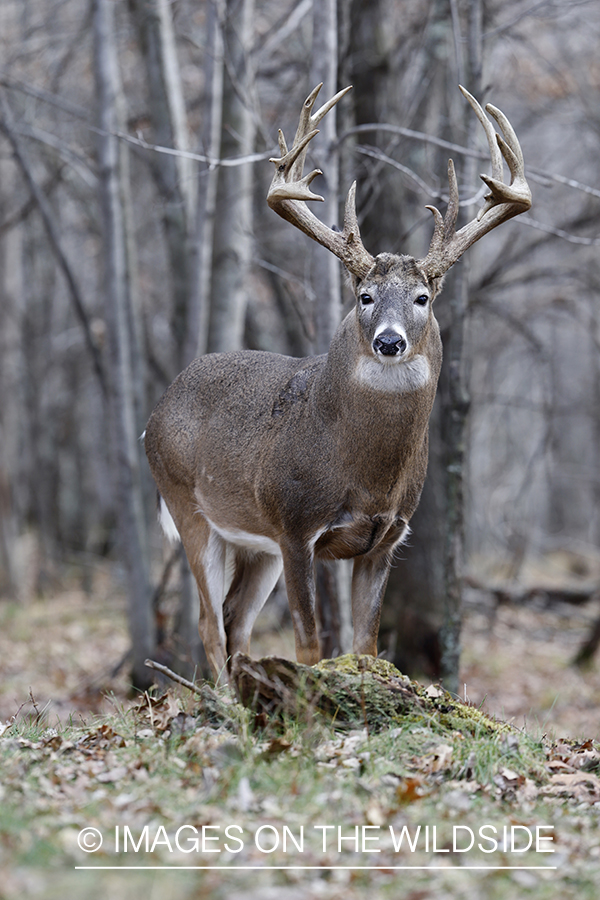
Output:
x=377 y=415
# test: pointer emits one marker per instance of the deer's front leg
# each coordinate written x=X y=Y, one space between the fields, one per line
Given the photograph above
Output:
x=299 y=571
x=369 y=578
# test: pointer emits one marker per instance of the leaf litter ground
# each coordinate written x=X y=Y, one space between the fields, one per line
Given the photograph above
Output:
x=175 y=779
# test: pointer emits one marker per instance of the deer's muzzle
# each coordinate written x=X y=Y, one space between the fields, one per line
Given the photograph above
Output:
x=389 y=343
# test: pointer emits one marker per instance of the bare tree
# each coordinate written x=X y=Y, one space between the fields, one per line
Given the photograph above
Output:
x=456 y=408
x=172 y=173
x=121 y=344
x=233 y=228
x=208 y=178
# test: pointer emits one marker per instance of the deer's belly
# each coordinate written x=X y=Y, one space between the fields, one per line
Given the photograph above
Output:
x=358 y=534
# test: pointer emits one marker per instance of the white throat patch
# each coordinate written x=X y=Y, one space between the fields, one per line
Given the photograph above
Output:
x=397 y=376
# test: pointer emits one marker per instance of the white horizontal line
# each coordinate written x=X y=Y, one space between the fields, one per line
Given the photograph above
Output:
x=268 y=868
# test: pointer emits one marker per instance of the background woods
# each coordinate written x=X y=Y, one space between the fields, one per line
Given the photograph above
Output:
x=134 y=234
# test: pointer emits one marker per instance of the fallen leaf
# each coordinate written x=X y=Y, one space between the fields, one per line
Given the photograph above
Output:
x=410 y=789
x=374 y=814
x=436 y=761
x=162 y=713
x=583 y=786
x=102 y=738
x=508 y=781
x=245 y=796
x=275 y=747
x=509 y=775
x=585 y=757
x=113 y=775
x=527 y=792
x=433 y=691
x=558 y=764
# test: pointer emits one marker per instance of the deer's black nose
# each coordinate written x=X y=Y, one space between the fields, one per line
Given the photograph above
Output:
x=389 y=343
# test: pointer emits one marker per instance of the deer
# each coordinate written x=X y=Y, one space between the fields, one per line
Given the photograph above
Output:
x=265 y=462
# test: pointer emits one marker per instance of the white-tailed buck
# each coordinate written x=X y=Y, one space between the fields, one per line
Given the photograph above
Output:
x=264 y=461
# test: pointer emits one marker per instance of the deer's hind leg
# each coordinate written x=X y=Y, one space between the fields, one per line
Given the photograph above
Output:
x=254 y=577
x=206 y=553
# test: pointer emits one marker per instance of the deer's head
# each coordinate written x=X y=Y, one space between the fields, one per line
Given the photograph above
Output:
x=394 y=293
x=393 y=309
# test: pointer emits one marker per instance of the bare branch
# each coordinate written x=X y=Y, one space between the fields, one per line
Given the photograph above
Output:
x=375 y=153
x=17 y=216
x=53 y=232
x=16 y=84
x=533 y=174
x=164 y=670
x=230 y=162
x=66 y=153
x=558 y=232
x=285 y=26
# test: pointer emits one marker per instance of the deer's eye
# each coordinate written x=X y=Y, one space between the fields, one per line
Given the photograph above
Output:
x=365 y=299
x=422 y=300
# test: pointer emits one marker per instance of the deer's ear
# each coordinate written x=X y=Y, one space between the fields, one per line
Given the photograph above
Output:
x=353 y=281
x=435 y=285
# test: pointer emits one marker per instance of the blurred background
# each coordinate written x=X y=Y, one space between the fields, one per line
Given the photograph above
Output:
x=134 y=235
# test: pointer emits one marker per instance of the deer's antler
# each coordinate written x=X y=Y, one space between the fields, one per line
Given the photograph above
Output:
x=502 y=202
x=290 y=189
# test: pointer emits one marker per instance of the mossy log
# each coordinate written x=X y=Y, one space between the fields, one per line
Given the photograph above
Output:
x=352 y=691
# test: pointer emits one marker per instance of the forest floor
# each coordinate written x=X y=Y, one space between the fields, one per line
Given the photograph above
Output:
x=77 y=753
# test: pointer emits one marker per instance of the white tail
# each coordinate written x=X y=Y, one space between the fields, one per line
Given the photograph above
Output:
x=265 y=461
x=167 y=524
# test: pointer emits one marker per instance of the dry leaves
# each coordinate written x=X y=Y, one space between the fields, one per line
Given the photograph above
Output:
x=584 y=787
x=571 y=766
x=159 y=711
x=439 y=760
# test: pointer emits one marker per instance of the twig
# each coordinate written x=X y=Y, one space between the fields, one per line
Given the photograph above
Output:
x=38 y=714
x=166 y=574
x=173 y=676
x=54 y=236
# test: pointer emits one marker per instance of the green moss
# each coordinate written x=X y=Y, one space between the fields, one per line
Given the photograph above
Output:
x=354 y=691
x=353 y=664
x=381 y=683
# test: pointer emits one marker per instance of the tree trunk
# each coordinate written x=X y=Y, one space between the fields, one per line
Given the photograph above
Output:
x=325 y=266
x=456 y=409
x=413 y=606
x=120 y=346
x=172 y=174
x=208 y=180
x=333 y=579
x=11 y=388
x=233 y=227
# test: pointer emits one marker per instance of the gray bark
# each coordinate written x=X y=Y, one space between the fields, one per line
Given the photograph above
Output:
x=333 y=581
x=456 y=410
x=121 y=395
x=11 y=390
x=326 y=275
x=208 y=179
x=233 y=243
x=172 y=174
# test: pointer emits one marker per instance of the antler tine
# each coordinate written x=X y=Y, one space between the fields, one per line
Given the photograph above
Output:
x=309 y=121
x=495 y=155
x=502 y=202
x=290 y=189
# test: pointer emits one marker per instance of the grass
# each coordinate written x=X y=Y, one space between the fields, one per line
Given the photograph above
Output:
x=167 y=777
x=173 y=766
